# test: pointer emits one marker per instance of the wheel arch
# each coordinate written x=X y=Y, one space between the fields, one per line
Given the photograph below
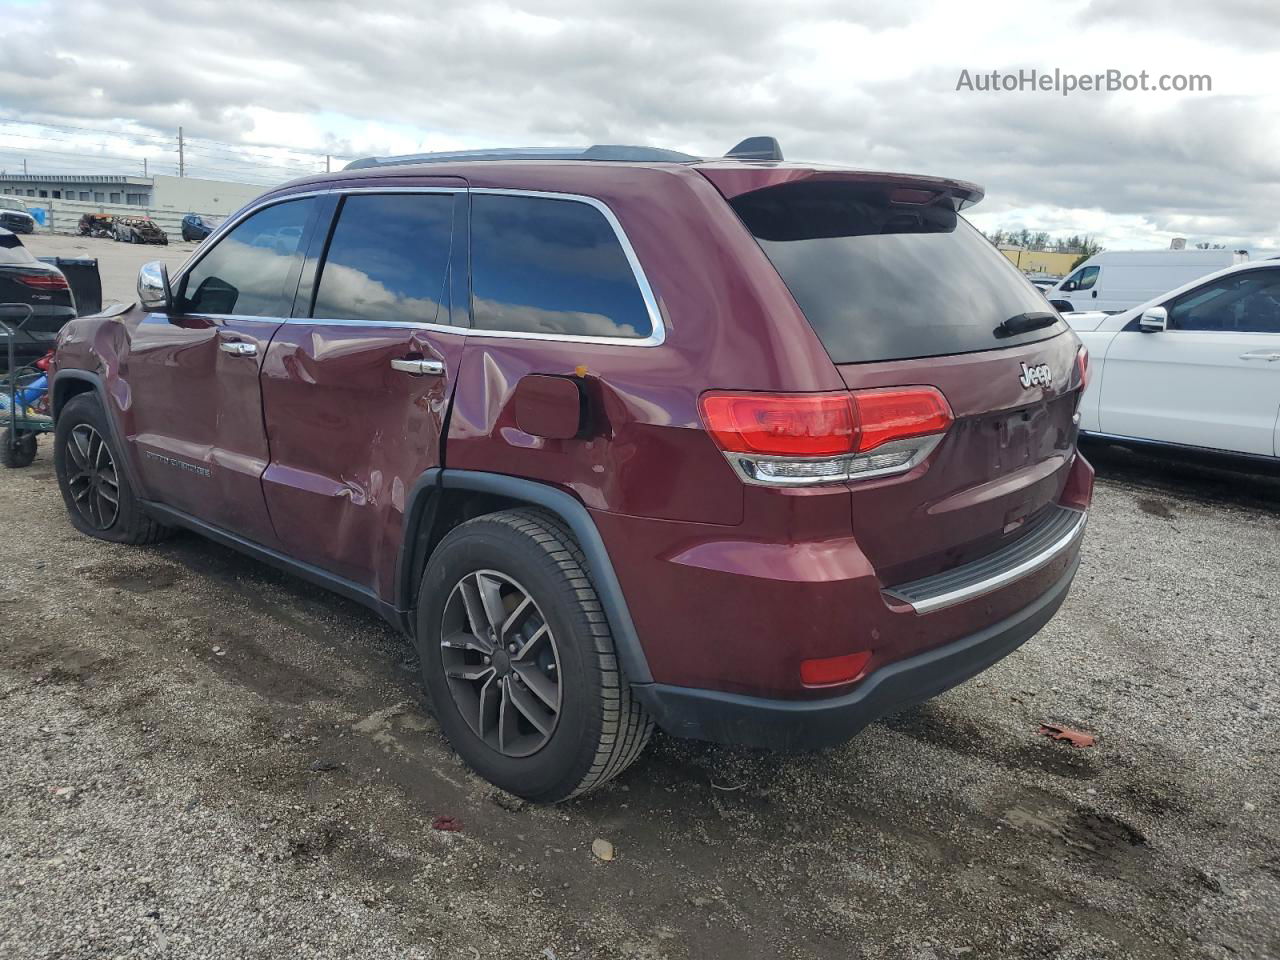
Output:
x=442 y=498
x=65 y=385
x=71 y=383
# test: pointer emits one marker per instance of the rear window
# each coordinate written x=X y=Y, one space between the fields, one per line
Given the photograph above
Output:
x=541 y=265
x=12 y=250
x=885 y=281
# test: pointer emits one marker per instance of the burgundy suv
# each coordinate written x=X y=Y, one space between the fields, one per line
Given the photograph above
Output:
x=753 y=451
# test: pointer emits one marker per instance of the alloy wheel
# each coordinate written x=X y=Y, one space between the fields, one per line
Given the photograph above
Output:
x=501 y=663
x=92 y=479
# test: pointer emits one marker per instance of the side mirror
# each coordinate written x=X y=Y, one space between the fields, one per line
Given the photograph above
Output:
x=1068 y=286
x=1154 y=320
x=153 y=287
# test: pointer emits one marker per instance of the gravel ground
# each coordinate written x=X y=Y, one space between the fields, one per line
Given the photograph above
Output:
x=206 y=758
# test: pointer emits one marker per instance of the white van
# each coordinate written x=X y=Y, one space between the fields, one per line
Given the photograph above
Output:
x=1117 y=280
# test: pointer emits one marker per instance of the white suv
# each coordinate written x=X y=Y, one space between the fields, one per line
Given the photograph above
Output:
x=1196 y=367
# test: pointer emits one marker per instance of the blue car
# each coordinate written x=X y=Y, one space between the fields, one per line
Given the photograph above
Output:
x=196 y=227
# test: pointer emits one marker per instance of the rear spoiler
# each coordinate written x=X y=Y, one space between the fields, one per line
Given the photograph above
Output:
x=734 y=179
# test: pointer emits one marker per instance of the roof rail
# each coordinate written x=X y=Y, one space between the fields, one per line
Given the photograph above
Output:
x=603 y=152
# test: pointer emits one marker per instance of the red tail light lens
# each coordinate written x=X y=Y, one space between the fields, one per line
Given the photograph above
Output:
x=898 y=413
x=1082 y=367
x=831 y=671
x=43 y=281
x=786 y=425
x=798 y=439
x=823 y=424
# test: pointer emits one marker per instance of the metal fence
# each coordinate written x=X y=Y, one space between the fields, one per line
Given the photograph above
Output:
x=63 y=216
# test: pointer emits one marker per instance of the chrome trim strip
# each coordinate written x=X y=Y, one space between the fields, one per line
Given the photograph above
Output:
x=923 y=447
x=1004 y=577
x=657 y=337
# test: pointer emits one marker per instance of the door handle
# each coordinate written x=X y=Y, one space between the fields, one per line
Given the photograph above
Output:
x=238 y=348
x=1261 y=355
x=433 y=367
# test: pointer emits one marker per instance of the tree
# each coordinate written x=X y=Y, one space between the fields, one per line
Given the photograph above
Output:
x=1088 y=248
x=1204 y=245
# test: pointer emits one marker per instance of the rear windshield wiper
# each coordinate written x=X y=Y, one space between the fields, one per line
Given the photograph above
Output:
x=1025 y=322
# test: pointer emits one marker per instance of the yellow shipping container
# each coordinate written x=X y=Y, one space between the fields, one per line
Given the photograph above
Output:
x=1040 y=261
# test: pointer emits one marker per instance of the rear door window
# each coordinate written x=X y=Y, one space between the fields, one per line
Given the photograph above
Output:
x=879 y=280
x=550 y=266
x=252 y=270
x=387 y=259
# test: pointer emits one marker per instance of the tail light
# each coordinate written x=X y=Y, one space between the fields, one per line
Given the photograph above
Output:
x=43 y=363
x=803 y=439
x=43 y=281
x=1082 y=368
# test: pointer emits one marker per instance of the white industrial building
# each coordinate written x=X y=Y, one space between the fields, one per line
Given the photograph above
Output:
x=185 y=194
x=58 y=200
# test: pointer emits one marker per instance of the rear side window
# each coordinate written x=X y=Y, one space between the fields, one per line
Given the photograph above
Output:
x=885 y=281
x=248 y=273
x=387 y=259
x=540 y=265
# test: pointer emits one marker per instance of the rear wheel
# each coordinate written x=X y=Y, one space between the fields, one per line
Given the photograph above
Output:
x=100 y=502
x=519 y=660
x=20 y=453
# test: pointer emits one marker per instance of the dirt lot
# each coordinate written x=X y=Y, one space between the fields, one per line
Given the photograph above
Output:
x=206 y=758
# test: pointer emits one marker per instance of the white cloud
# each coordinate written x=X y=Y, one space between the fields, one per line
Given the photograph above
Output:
x=851 y=81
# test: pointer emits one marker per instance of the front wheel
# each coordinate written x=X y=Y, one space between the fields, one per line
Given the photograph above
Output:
x=519 y=660
x=95 y=488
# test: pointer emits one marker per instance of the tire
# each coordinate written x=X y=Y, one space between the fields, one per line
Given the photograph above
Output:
x=20 y=455
x=597 y=729
x=83 y=423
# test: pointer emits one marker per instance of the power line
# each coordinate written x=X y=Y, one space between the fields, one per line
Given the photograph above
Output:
x=238 y=149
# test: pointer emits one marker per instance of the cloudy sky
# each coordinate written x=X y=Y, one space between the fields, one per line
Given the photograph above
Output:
x=860 y=82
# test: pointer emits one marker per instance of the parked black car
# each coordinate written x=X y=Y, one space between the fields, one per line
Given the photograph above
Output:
x=196 y=227
x=24 y=279
x=14 y=216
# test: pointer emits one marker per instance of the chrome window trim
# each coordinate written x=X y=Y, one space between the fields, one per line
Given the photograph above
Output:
x=657 y=336
x=1004 y=577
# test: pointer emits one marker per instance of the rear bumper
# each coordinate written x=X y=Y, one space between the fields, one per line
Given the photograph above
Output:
x=808 y=724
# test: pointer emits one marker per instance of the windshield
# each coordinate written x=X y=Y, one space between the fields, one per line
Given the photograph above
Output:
x=879 y=280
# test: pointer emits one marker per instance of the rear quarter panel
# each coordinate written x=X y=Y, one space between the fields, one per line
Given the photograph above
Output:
x=730 y=324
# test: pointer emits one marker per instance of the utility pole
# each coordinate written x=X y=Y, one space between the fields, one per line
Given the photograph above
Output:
x=144 y=166
x=326 y=163
x=24 y=166
x=182 y=164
